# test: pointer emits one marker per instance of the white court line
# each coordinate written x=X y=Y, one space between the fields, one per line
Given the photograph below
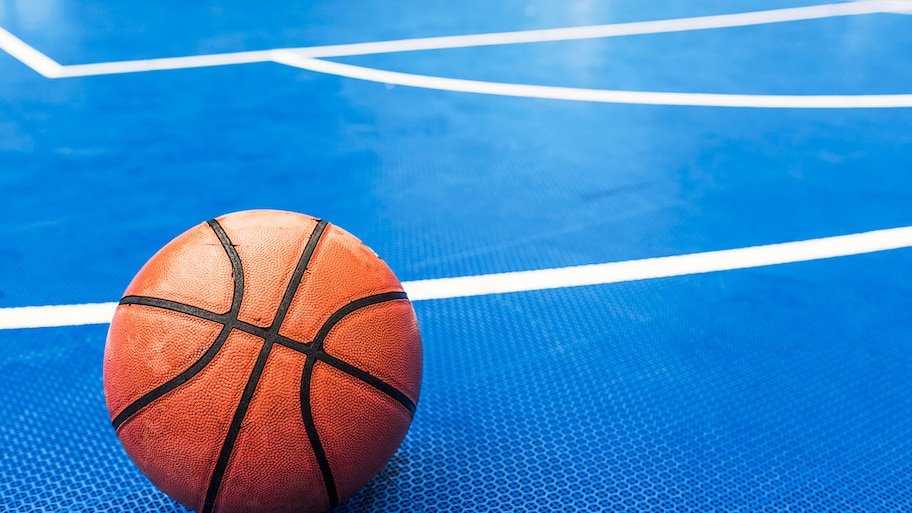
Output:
x=306 y=58
x=663 y=267
x=28 y=55
x=473 y=40
x=167 y=63
x=872 y=101
x=901 y=7
x=522 y=281
x=56 y=315
x=616 y=29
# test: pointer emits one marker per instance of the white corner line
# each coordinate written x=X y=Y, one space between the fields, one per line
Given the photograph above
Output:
x=543 y=279
x=32 y=58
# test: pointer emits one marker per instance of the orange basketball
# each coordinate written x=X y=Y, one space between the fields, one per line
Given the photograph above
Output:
x=264 y=361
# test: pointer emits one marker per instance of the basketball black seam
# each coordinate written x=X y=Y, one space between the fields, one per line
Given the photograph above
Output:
x=307 y=375
x=369 y=379
x=174 y=306
x=227 y=321
x=305 y=348
x=313 y=350
x=175 y=382
x=221 y=463
x=334 y=319
x=350 y=308
x=311 y=428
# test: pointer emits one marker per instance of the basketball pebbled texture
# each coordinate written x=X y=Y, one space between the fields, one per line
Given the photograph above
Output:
x=263 y=361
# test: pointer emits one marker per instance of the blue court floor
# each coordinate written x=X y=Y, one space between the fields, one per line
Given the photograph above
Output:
x=545 y=135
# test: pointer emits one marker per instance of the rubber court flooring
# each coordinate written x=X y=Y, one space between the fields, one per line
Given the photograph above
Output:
x=712 y=200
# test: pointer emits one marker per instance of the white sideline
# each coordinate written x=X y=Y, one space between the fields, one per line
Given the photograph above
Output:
x=575 y=276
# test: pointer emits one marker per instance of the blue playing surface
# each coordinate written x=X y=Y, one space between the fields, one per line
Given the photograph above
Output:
x=764 y=389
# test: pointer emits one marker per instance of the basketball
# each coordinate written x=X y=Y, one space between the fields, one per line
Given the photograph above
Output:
x=263 y=361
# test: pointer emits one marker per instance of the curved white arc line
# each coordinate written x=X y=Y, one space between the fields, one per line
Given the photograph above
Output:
x=543 y=279
x=297 y=60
